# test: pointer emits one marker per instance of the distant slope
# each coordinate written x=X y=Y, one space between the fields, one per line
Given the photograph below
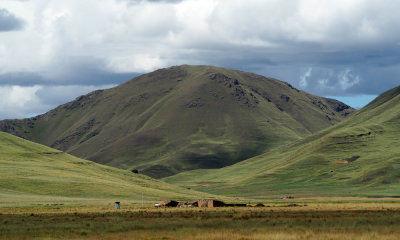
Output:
x=32 y=172
x=359 y=156
x=181 y=118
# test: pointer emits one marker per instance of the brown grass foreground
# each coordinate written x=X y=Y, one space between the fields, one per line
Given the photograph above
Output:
x=314 y=221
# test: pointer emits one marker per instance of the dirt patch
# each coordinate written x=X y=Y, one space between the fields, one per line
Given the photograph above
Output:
x=341 y=161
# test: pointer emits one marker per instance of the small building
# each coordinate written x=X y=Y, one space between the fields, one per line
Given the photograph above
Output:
x=198 y=203
x=210 y=203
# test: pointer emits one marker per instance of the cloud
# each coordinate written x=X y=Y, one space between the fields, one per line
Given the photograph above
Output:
x=84 y=71
x=347 y=79
x=69 y=71
x=332 y=80
x=325 y=47
x=303 y=79
x=9 y=22
x=23 y=101
x=21 y=79
x=18 y=101
x=153 y=34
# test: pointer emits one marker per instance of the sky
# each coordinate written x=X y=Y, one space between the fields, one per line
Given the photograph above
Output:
x=52 y=51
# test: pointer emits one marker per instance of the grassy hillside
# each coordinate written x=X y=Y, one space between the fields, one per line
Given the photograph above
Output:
x=181 y=118
x=30 y=172
x=357 y=157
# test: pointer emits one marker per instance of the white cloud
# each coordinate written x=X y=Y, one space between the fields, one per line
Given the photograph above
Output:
x=323 y=82
x=303 y=79
x=16 y=100
x=138 y=62
x=347 y=79
x=21 y=102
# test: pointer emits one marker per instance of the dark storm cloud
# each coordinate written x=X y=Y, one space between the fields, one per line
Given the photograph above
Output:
x=339 y=79
x=21 y=79
x=9 y=22
x=85 y=71
x=81 y=76
x=73 y=71
x=369 y=71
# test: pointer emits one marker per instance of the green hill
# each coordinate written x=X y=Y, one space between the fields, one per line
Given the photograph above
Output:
x=357 y=157
x=30 y=172
x=181 y=118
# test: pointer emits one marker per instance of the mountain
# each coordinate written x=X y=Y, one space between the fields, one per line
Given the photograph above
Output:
x=181 y=118
x=357 y=157
x=30 y=172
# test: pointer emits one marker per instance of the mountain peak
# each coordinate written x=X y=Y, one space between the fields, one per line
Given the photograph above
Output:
x=181 y=118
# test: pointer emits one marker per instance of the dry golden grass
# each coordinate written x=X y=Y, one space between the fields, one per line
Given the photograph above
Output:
x=318 y=220
x=305 y=204
x=234 y=235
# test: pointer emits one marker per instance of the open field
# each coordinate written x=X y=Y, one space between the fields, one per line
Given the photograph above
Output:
x=280 y=219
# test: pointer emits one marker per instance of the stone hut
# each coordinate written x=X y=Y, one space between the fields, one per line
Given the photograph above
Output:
x=210 y=203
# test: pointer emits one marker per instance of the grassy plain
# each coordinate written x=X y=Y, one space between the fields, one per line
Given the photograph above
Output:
x=308 y=219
